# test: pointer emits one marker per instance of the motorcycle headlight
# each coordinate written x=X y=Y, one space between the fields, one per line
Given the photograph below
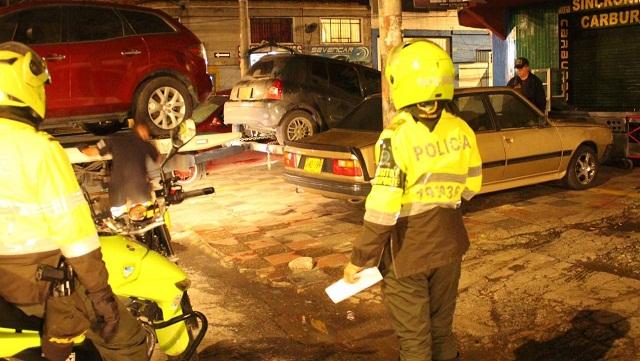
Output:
x=138 y=213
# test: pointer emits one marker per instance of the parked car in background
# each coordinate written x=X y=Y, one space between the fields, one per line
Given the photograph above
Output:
x=518 y=144
x=295 y=96
x=109 y=62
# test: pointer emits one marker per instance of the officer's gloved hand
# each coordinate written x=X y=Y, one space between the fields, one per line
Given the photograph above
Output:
x=93 y=275
x=106 y=309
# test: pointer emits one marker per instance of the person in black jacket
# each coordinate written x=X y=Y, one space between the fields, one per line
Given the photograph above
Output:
x=129 y=184
x=529 y=84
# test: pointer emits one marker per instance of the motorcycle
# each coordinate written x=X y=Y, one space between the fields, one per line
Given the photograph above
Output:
x=142 y=273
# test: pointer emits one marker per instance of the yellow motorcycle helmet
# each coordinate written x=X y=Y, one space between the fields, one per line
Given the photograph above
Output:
x=418 y=72
x=23 y=75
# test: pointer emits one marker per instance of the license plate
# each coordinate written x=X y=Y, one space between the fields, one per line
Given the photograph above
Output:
x=313 y=165
x=245 y=93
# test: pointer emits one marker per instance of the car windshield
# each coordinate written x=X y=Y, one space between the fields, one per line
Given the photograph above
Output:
x=366 y=116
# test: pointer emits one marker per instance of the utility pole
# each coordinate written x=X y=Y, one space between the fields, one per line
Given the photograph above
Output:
x=390 y=24
x=245 y=34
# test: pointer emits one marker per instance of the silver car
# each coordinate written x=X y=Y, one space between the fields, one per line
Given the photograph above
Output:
x=295 y=95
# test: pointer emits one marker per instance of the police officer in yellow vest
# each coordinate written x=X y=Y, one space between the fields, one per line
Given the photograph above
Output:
x=43 y=216
x=428 y=160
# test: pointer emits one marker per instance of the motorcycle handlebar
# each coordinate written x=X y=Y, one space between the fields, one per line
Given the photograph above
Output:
x=198 y=192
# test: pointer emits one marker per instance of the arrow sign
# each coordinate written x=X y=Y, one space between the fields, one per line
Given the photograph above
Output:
x=222 y=55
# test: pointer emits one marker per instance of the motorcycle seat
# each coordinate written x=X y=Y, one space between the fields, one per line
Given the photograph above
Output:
x=14 y=318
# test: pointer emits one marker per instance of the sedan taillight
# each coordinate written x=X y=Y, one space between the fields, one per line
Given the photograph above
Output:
x=275 y=90
x=289 y=160
x=350 y=168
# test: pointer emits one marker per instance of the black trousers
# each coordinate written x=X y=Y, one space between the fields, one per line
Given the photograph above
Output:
x=421 y=308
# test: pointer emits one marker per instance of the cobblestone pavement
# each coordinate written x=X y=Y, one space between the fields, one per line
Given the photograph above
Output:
x=552 y=274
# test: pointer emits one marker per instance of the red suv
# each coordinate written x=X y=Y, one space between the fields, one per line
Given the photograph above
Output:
x=109 y=62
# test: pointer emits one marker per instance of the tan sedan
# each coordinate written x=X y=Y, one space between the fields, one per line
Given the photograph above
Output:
x=519 y=146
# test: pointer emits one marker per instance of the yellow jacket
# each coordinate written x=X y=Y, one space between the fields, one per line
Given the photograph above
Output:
x=419 y=170
x=420 y=179
x=41 y=205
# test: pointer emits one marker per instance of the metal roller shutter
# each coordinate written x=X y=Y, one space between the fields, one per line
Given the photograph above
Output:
x=605 y=69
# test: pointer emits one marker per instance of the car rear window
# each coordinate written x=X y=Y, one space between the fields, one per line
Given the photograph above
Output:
x=366 y=116
x=278 y=67
x=262 y=68
x=146 y=23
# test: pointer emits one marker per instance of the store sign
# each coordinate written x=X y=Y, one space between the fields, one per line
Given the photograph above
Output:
x=440 y=4
x=586 y=5
x=607 y=13
x=356 y=54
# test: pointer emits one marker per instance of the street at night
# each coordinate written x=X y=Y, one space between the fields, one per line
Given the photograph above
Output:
x=551 y=274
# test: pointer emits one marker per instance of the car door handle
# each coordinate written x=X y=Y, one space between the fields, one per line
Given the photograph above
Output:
x=55 y=57
x=130 y=52
x=508 y=140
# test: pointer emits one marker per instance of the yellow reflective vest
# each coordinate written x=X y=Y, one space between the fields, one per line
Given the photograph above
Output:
x=41 y=205
x=420 y=180
x=419 y=169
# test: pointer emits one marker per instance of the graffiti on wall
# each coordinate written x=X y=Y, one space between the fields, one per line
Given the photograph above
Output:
x=354 y=54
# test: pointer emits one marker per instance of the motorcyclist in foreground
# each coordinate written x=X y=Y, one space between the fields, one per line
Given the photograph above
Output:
x=44 y=218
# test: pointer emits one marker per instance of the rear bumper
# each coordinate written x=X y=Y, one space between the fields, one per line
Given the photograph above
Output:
x=331 y=188
x=256 y=115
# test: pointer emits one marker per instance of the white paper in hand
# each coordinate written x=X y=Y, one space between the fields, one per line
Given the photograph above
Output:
x=342 y=290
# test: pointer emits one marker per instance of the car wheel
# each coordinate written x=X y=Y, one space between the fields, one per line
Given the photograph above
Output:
x=583 y=168
x=296 y=125
x=163 y=103
x=103 y=128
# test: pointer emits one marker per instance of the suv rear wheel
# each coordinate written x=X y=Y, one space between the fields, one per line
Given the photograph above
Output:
x=163 y=103
x=296 y=125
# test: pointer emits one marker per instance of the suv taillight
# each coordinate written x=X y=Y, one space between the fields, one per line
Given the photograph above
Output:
x=275 y=90
x=346 y=167
x=199 y=50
